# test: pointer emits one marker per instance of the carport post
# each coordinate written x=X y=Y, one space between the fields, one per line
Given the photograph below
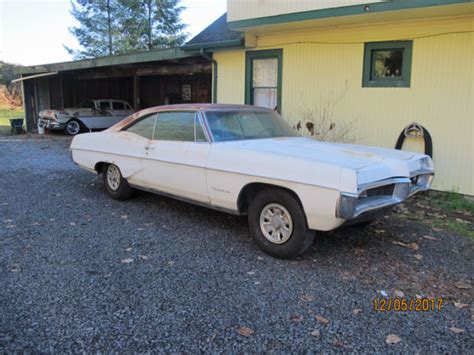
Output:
x=136 y=92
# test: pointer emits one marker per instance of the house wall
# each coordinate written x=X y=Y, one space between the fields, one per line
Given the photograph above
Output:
x=324 y=67
x=247 y=9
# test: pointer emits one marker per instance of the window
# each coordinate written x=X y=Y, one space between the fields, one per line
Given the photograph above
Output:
x=263 y=79
x=200 y=136
x=87 y=104
x=118 y=105
x=239 y=125
x=144 y=127
x=104 y=105
x=175 y=126
x=387 y=64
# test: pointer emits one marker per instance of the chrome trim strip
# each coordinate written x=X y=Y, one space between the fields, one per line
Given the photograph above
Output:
x=185 y=199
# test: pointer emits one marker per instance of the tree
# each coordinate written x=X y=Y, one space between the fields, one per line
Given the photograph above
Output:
x=98 y=30
x=108 y=27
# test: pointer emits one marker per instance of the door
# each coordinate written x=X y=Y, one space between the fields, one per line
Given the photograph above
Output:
x=129 y=147
x=175 y=160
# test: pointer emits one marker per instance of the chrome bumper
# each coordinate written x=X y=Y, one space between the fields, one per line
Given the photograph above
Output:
x=51 y=124
x=353 y=205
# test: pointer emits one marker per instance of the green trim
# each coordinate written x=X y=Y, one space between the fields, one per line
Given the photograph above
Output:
x=249 y=57
x=394 y=5
x=368 y=79
x=208 y=45
x=138 y=57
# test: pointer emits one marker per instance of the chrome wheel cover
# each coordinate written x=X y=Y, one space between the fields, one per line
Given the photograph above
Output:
x=73 y=128
x=113 y=177
x=276 y=223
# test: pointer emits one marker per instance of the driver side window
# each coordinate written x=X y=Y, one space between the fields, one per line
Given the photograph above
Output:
x=145 y=127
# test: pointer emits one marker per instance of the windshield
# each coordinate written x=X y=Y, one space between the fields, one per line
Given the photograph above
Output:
x=240 y=125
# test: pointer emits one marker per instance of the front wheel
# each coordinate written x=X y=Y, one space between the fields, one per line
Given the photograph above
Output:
x=117 y=187
x=277 y=223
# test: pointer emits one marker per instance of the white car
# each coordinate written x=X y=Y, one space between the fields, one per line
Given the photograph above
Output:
x=248 y=160
x=91 y=114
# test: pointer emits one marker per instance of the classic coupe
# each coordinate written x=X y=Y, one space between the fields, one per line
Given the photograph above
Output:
x=89 y=115
x=249 y=161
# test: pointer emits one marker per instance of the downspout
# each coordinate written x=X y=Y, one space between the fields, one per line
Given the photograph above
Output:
x=214 y=72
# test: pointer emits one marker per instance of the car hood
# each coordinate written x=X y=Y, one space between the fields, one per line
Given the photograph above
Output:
x=350 y=156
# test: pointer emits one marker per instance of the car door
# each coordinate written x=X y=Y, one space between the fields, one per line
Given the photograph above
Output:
x=129 y=147
x=175 y=159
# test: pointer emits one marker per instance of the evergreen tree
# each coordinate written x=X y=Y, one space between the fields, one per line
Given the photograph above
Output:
x=108 y=27
x=98 y=31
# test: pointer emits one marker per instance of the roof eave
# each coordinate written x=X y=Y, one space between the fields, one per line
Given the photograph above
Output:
x=241 y=25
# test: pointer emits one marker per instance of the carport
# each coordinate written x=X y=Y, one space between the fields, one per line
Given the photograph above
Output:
x=143 y=79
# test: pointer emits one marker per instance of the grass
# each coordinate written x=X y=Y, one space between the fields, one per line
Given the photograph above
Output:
x=449 y=211
x=454 y=202
x=7 y=113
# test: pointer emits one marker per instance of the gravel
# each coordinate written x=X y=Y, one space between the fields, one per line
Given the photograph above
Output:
x=81 y=272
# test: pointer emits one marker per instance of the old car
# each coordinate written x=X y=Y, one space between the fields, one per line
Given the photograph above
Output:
x=89 y=115
x=249 y=161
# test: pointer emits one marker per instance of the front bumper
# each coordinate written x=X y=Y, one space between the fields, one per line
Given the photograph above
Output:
x=52 y=124
x=382 y=194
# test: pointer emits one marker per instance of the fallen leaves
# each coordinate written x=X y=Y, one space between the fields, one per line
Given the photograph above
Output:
x=124 y=216
x=127 y=261
x=460 y=305
x=245 y=331
x=392 y=339
x=356 y=311
x=296 y=318
x=399 y=293
x=316 y=333
x=463 y=285
x=456 y=330
x=412 y=246
x=429 y=237
x=143 y=257
x=418 y=256
x=322 y=320
x=307 y=298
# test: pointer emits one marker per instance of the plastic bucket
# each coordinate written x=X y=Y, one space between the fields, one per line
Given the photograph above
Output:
x=40 y=128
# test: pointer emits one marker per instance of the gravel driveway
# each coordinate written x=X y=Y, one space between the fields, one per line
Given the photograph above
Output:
x=81 y=272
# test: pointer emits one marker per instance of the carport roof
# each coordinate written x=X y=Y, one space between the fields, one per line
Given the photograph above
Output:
x=130 y=58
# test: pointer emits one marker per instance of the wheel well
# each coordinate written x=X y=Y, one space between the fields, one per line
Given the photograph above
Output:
x=99 y=167
x=249 y=191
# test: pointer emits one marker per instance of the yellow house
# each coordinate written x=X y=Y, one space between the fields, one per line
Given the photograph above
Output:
x=360 y=70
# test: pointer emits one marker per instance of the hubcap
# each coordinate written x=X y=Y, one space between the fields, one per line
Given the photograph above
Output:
x=276 y=223
x=73 y=128
x=113 y=177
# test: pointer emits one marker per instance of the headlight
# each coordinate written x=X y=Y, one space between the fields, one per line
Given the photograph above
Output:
x=426 y=163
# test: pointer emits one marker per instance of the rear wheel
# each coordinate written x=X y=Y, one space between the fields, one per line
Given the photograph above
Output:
x=117 y=187
x=73 y=127
x=278 y=224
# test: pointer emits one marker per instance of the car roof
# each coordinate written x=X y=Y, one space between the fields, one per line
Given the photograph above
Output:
x=183 y=107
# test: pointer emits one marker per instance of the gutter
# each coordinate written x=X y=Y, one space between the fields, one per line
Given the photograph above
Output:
x=209 y=45
x=214 y=73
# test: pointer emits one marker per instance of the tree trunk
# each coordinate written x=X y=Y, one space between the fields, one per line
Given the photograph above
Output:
x=109 y=27
x=150 y=42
